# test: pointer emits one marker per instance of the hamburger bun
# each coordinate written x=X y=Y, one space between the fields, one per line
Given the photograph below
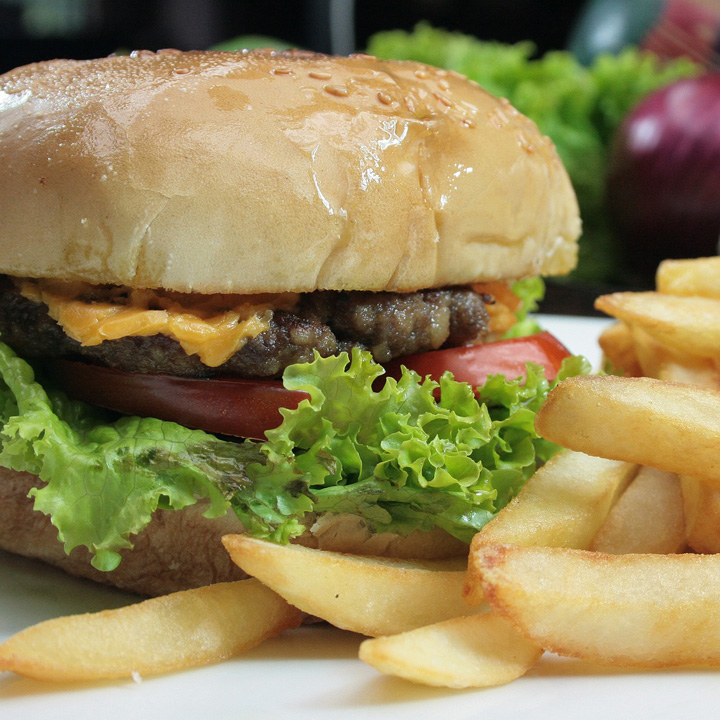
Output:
x=273 y=172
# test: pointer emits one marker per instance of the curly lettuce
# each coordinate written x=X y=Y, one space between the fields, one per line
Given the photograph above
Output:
x=410 y=454
x=531 y=291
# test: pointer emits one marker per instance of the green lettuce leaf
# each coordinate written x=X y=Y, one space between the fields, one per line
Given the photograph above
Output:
x=530 y=291
x=411 y=454
x=104 y=479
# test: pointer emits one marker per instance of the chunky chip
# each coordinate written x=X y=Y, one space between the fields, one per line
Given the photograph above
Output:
x=694 y=276
x=689 y=324
x=477 y=651
x=563 y=504
x=670 y=426
x=171 y=632
x=368 y=595
x=625 y=610
x=647 y=518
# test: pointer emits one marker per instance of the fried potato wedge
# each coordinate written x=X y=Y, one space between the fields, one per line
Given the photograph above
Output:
x=688 y=369
x=647 y=518
x=171 y=632
x=696 y=276
x=367 y=595
x=618 y=346
x=701 y=505
x=563 y=504
x=689 y=324
x=665 y=363
x=701 y=502
x=476 y=651
x=625 y=610
x=666 y=425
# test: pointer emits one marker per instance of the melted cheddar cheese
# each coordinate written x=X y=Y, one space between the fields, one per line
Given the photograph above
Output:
x=503 y=308
x=214 y=327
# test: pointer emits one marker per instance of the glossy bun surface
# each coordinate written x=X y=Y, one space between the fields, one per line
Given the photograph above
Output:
x=268 y=172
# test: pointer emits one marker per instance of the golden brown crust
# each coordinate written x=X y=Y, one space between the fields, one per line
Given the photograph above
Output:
x=182 y=549
x=260 y=172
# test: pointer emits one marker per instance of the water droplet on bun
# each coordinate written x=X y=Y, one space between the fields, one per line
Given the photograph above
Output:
x=444 y=99
x=337 y=90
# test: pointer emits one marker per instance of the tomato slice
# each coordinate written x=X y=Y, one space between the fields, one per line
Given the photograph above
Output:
x=473 y=364
x=225 y=406
x=247 y=408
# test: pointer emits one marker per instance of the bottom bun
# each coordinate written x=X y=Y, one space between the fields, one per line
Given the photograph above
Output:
x=182 y=549
x=178 y=551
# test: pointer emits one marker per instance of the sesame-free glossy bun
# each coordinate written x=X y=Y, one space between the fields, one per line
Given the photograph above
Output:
x=268 y=172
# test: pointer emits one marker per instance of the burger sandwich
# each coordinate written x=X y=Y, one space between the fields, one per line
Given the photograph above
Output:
x=232 y=285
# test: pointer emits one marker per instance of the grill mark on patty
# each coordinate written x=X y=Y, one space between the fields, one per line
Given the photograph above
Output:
x=388 y=324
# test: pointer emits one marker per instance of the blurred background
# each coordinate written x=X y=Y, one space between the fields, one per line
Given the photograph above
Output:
x=41 y=29
x=598 y=76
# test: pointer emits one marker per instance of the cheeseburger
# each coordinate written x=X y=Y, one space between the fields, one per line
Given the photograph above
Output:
x=211 y=262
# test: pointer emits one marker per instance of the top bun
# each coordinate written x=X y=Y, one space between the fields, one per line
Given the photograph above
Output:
x=269 y=172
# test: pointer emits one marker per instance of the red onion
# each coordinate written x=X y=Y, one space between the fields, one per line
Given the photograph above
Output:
x=663 y=185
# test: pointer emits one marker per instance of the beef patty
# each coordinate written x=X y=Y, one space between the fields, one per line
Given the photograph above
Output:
x=388 y=324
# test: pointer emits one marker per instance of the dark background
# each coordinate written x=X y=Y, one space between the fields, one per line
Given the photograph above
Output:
x=33 y=30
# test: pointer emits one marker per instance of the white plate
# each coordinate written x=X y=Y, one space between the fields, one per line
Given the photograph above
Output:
x=313 y=672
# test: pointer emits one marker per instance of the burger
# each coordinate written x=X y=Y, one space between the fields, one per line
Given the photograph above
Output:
x=232 y=287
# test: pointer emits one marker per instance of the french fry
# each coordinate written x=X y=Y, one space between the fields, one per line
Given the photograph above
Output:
x=371 y=596
x=647 y=518
x=565 y=502
x=618 y=346
x=625 y=610
x=666 y=425
x=696 y=276
x=622 y=610
x=562 y=505
x=690 y=370
x=689 y=324
x=665 y=363
x=701 y=505
x=650 y=354
x=171 y=632
x=477 y=651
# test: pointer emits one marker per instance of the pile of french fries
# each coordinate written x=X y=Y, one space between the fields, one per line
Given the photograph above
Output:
x=673 y=334
x=598 y=557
